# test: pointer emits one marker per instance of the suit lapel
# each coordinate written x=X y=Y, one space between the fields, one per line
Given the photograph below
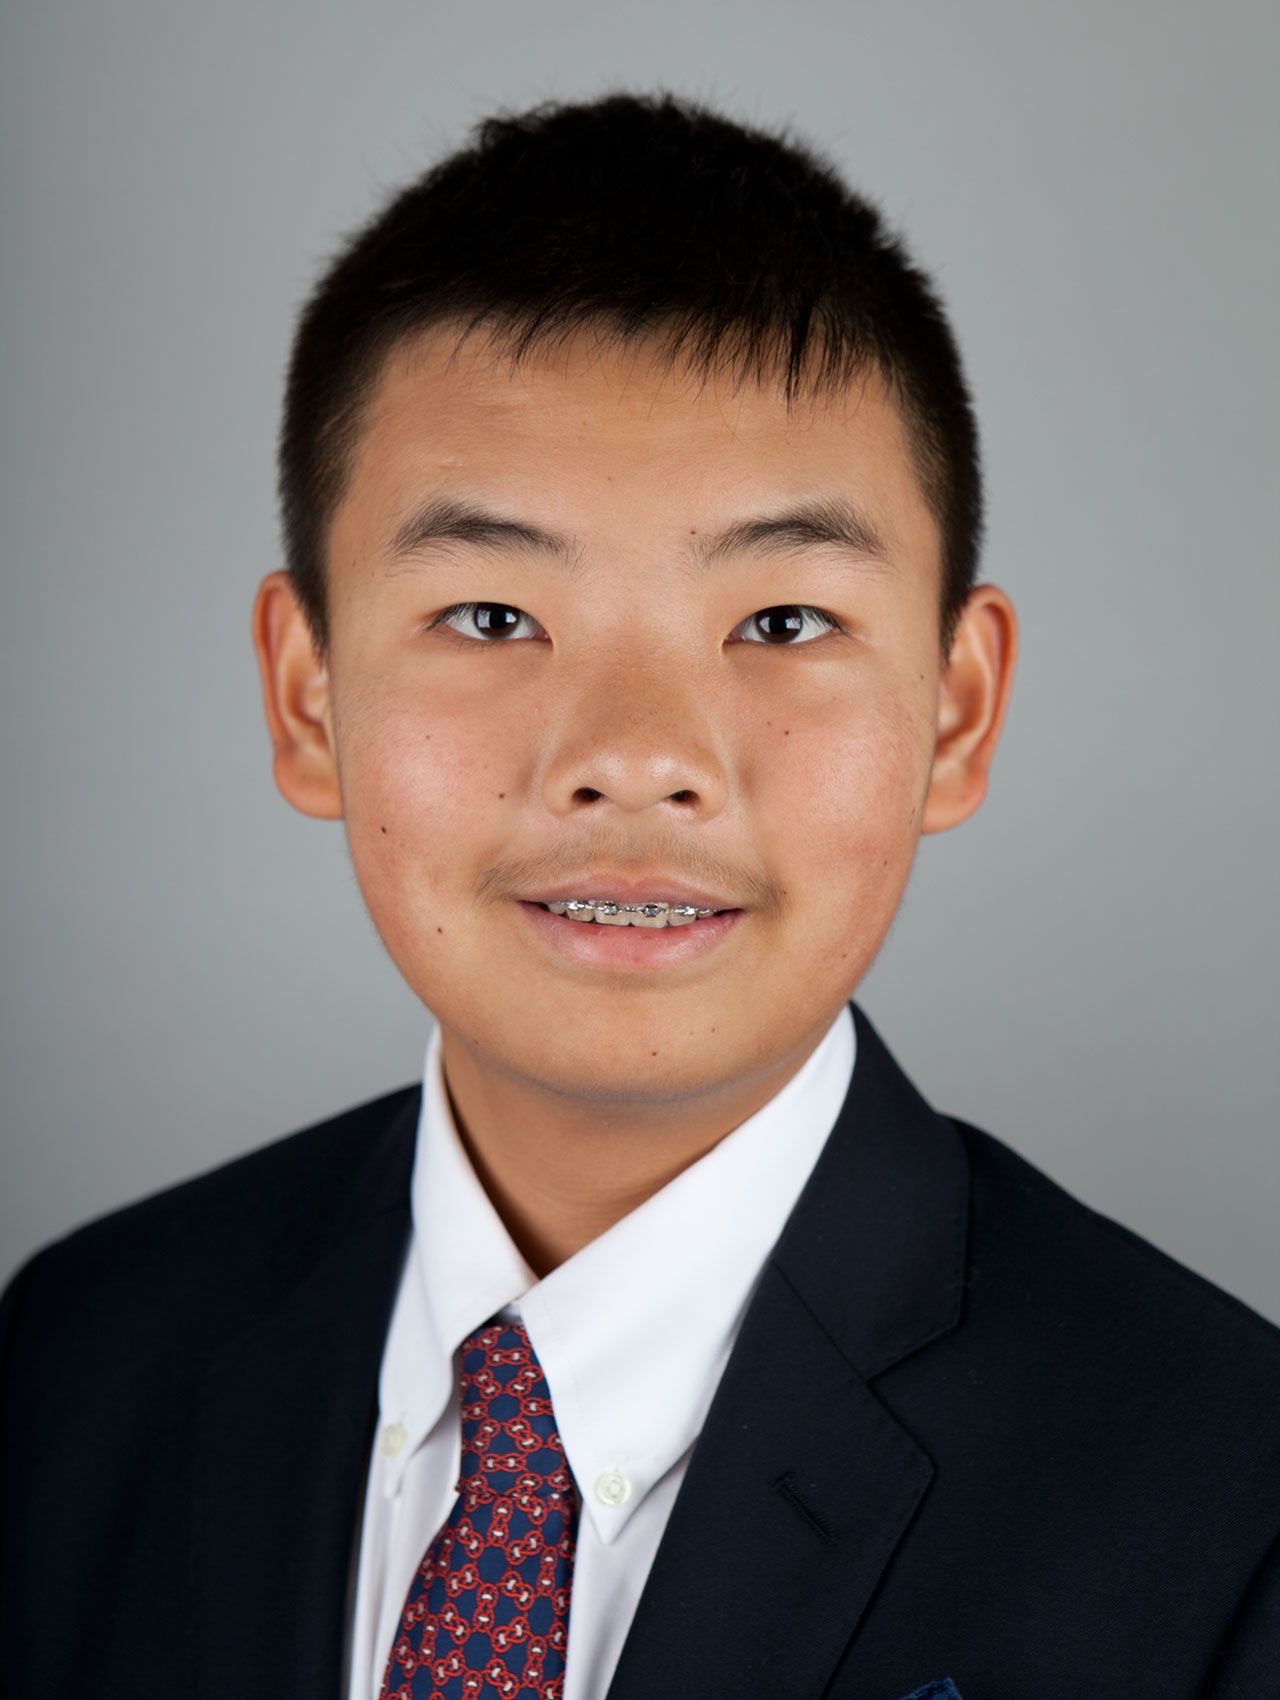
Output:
x=282 y=1444
x=798 y=1490
x=802 y=1484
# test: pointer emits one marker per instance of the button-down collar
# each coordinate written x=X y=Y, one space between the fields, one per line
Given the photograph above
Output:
x=632 y=1331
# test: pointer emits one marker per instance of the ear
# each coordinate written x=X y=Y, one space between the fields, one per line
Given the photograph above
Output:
x=295 y=698
x=973 y=694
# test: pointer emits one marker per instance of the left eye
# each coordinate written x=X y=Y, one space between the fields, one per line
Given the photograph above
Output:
x=786 y=624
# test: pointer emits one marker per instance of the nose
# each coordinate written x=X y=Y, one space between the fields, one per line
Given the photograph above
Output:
x=635 y=740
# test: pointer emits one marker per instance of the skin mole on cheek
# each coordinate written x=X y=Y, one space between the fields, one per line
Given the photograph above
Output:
x=501 y=794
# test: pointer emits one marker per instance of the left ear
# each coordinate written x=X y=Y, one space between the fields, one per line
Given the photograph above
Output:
x=972 y=697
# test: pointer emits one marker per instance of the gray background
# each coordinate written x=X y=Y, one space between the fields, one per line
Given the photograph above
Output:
x=1086 y=968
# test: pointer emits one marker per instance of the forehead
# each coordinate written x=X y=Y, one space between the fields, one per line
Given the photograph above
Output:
x=583 y=434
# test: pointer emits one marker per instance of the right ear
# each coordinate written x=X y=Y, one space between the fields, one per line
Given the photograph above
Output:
x=295 y=699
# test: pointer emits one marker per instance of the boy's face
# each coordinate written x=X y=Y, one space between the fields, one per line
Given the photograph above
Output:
x=640 y=727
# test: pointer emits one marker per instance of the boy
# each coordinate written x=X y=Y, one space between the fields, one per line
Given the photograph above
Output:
x=662 y=1341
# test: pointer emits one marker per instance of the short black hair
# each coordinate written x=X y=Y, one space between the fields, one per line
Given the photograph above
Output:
x=651 y=218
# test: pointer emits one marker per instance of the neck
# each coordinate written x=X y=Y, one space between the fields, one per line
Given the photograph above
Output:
x=559 y=1172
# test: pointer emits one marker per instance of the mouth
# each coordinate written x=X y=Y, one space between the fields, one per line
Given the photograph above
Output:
x=603 y=932
x=607 y=912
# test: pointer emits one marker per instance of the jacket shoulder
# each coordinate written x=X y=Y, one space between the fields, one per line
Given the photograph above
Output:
x=202 y=1242
x=1051 y=1249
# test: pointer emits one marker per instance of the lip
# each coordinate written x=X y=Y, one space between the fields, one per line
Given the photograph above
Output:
x=655 y=889
x=633 y=948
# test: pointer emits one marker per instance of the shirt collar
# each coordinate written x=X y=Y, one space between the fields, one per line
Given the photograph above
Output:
x=631 y=1362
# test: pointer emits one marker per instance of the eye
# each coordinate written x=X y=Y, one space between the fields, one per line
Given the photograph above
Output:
x=786 y=625
x=483 y=622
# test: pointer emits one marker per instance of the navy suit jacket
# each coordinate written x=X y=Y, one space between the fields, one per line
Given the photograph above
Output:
x=970 y=1428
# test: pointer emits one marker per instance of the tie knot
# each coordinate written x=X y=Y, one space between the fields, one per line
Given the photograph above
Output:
x=510 y=1442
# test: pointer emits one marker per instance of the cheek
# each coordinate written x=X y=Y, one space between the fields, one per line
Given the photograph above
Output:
x=423 y=794
x=848 y=798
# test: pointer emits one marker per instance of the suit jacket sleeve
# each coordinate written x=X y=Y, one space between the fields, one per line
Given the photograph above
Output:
x=1249 y=1659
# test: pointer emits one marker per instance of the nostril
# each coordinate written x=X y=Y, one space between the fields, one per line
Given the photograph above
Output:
x=584 y=794
x=683 y=796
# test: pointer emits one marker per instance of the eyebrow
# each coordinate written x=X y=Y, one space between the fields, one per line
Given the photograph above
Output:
x=823 y=522
x=452 y=519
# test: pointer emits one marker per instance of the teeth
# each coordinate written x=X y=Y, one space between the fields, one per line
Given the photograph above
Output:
x=610 y=914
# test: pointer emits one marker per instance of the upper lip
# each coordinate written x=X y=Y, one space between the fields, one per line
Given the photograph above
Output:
x=655 y=888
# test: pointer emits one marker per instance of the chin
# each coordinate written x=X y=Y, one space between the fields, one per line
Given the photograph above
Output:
x=615 y=1061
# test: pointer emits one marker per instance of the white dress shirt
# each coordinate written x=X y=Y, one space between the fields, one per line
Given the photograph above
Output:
x=632 y=1332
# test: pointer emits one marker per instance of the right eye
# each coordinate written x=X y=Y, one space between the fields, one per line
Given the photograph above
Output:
x=483 y=622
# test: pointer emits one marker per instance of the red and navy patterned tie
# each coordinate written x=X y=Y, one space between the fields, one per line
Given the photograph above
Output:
x=487 y=1613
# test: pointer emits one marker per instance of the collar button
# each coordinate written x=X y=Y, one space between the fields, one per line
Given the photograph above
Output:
x=612 y=1488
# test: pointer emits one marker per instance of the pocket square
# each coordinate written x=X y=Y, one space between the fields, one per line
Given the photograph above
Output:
x=941 y=1689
